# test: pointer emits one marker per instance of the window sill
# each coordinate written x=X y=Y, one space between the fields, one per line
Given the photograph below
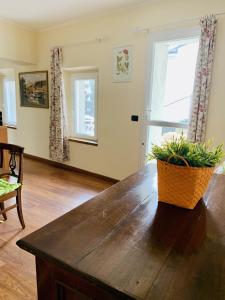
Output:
x=11 y=126
x=82 y=141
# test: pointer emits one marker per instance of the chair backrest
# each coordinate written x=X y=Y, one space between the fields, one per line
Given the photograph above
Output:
x=15 y=166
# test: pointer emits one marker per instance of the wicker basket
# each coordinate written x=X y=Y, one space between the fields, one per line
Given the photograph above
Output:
x=182 y=186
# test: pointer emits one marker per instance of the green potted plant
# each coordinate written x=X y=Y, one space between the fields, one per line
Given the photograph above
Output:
x=184 y=170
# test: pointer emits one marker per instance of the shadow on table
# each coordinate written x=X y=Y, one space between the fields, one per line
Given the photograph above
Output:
x=181 y=229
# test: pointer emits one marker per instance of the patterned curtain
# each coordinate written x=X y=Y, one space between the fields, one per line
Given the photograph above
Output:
x=58 y=140
x=197 y=127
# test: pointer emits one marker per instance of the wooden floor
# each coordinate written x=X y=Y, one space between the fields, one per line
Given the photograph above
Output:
x=48 y=193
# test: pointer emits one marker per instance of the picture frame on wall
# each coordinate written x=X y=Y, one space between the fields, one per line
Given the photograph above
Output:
x=122 y=64
x=34 y=89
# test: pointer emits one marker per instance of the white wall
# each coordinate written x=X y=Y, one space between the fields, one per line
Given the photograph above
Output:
x=17 y=45
x=17 y=49
x=118 y=152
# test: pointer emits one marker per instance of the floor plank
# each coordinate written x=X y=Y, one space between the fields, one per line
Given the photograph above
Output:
x=48 y=193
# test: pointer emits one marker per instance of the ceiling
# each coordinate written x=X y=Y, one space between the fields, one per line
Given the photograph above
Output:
x=47 y=13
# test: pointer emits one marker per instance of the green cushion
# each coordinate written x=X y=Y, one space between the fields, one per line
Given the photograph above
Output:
x=6 y=187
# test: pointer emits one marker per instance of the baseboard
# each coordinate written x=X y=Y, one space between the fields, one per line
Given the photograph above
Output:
x=69 y=168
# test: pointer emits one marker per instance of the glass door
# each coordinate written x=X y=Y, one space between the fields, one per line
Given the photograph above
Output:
x=170 y=85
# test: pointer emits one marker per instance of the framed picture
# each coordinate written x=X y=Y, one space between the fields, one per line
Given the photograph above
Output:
x=34 y=89
x=122 y=64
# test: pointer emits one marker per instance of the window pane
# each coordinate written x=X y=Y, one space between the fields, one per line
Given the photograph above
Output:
x=9 y=102
x=85 y=91
x=157 y=135
x=173 y=80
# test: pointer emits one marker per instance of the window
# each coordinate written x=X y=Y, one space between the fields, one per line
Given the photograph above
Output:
x=9 y=102
x=173 y=65
x=84 y=86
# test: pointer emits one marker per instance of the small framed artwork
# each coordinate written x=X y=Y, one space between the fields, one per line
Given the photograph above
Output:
x=122 y=64
x=34 y=89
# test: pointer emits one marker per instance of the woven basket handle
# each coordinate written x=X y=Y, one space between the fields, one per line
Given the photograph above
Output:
x=180 y=157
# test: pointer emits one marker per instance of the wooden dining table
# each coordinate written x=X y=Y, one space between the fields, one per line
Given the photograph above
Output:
x=124 y=244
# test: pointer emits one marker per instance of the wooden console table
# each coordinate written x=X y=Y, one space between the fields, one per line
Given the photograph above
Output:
x=122 y=244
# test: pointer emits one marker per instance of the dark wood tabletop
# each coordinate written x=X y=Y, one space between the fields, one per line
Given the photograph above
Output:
x=125 y=241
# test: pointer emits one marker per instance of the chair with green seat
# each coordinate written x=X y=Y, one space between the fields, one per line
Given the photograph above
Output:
x=9 y=190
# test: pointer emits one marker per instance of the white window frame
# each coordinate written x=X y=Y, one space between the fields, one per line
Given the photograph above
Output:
x=83 y=76
x=5 y=103
x=155 y=37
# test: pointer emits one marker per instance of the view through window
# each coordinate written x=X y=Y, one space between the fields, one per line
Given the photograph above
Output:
x=84 y=105
x=173 y=74
x=9 y=102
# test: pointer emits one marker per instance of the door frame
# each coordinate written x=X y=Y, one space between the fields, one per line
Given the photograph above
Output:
x=159 y=36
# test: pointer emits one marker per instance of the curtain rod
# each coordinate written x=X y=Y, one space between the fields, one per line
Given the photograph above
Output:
x=97 y=39
x=149 y=29
x=100 y=39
